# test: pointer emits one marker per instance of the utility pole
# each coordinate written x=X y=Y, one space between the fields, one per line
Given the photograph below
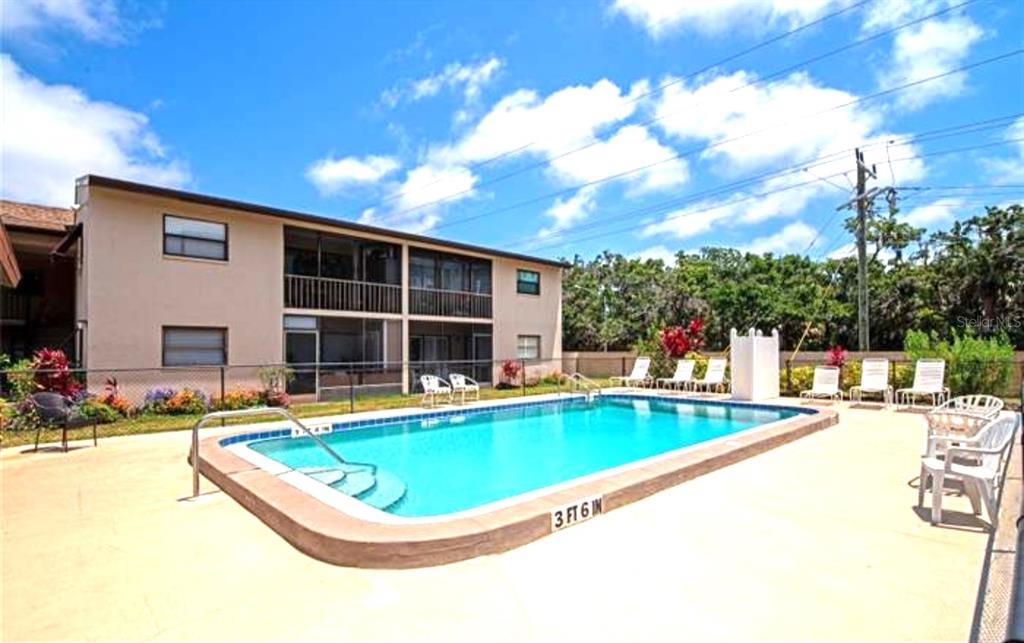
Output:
x=864 y=200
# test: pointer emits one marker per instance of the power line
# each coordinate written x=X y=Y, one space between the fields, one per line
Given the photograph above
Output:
x=552 y=159
x=827 y=159
x=660 y=88
x=722 y=142
x=768 y=193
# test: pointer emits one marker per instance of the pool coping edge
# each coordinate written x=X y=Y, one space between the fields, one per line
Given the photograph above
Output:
x=333 y=536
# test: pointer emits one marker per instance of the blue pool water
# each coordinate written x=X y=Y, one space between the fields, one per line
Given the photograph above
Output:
x=460 y=462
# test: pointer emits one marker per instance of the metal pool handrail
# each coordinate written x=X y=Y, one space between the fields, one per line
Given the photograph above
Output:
x=588 y=384
x=260 y=410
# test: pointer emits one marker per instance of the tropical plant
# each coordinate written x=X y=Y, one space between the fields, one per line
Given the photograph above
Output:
x=835 y=356
x=187 y=401
x=53 y=372
x=235 y=400
x=974 y=364
x=94 y=408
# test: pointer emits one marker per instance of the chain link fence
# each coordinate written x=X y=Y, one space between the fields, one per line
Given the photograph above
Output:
x=130 y=401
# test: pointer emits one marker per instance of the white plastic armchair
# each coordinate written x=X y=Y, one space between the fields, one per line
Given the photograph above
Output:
x=714 y=377
x=432 y=387
x=463 y=384
x=929 y=381
x=639 y=375
x=963 y=415
x=825 y=385
x=978 y=465
x=682 y=378
x=874 y=378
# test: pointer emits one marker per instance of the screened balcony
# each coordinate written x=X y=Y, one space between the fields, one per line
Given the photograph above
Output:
x=332 y=272
x=448 y=285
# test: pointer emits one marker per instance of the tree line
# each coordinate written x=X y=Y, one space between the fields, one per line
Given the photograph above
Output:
x=968 y=278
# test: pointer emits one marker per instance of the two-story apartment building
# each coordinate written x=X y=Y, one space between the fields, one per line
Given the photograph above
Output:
x=171 y=278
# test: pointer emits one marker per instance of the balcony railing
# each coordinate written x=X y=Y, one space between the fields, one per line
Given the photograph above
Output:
x=14 y=306
x=323 y=293
x=449 y=303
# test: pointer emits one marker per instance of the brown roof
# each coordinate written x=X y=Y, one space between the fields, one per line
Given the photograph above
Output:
x=37 y=217
x=10 y=274
x=191 y=197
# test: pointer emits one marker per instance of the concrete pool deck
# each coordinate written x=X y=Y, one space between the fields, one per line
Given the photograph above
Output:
x=816 y=539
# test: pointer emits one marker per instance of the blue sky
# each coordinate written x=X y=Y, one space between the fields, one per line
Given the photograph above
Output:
x=392 y=113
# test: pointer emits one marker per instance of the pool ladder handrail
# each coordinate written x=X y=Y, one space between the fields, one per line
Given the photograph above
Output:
x=261 y=410
x=579 y=379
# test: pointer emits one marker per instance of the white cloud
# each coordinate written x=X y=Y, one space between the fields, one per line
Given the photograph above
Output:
x=938 y=211
x=793 y=238
x=771 y=125
x=656 y=252
x=557 y=126
x=52 y=134
x=629 y=148
x=926 y=50
x=1010 y=170
x=330 y=174
x=844 y=251
x=566 y=212
x=792 y=117
x=661 y=17
x=412 y=203
x=469 y=78
x=97 y=21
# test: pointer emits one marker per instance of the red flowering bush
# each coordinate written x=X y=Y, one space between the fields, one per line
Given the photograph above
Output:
x=677 y=341
x=510 y=369
x=835 y=356
x=53 y=372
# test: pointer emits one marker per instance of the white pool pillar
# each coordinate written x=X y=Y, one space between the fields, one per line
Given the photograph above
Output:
x=754 y=365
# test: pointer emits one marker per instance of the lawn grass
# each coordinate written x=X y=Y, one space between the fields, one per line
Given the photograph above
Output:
x=160 y=423
x=143 y=424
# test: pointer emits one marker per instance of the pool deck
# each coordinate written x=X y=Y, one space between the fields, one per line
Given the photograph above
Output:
x=815 y=539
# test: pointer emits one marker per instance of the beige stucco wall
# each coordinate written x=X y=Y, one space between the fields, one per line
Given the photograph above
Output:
x=517 y=314
x=132 y=289
x=129 y=289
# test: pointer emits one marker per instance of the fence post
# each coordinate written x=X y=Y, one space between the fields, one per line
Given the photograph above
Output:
x=789 y=375
x=522 y=371
x=577 y=364
x=351 y=394
x=222 y=391
x=622 y=368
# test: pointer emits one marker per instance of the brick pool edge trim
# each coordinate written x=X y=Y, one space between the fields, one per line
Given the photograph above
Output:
x=333 y=536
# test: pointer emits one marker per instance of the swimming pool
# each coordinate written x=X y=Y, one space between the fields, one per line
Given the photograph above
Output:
x=458 y=460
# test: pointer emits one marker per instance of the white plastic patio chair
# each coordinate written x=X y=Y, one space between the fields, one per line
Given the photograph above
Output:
x=981 y=473
x=929 y=380
x=639 y=376
x=682 y=378
x=432 y=387
x=463 y=384
x=963 y=415
x=874 y=378
x=714 y=377
x=825 y=385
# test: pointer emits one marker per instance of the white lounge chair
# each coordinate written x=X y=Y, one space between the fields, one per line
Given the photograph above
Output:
x=826 y=384
x=682 y=378
x=463 y=384
x=639 y=376
x=929 y=380
x=874 y=378
x=432 y=387
x=714 y=377
x=963 y=415
x=980 y=470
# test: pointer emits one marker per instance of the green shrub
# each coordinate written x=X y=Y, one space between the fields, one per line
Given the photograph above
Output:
x=973 y=364
x=92 y=408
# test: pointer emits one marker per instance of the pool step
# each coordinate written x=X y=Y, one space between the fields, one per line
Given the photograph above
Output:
x=351 y=481
x=380 y=491
x=388 y=490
